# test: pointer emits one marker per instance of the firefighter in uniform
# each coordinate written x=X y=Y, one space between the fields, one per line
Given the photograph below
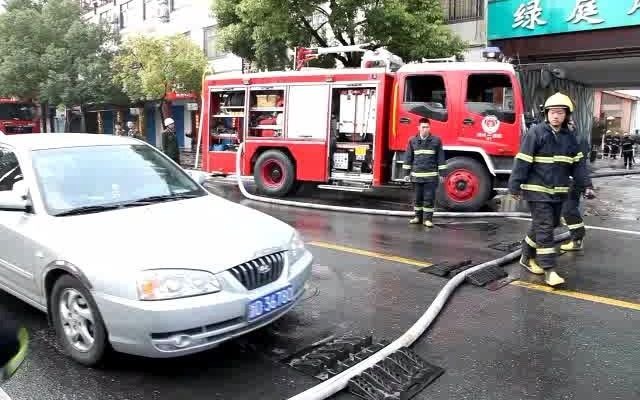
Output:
x=608 y=142
x=549 y=155
x=615 y=146
x=571 y=215
x=627 y=151
x=424 y=161
x=13 y=347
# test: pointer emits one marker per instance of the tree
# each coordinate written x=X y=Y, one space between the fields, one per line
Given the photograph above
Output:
x=150 y=67
x=51 y=55
x=11 y=5
x=262 y=31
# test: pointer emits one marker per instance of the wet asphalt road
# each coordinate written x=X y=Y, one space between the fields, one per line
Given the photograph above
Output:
x=515 y=343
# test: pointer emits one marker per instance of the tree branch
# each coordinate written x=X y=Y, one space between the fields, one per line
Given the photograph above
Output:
x=321 y=41
x=322 y=11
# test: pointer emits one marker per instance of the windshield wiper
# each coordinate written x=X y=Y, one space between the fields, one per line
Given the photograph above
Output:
x=87 y=210
x=162 y=198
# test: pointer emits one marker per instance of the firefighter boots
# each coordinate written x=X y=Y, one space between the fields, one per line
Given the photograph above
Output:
x=574 y=245
x=552 y=278
x=531 y=265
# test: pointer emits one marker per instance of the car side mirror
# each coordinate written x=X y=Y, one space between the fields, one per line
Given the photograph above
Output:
x=198 y=176
x=16 y=199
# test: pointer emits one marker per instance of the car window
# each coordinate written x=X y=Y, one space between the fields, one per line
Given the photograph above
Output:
x=106 y=175
x=10 y=171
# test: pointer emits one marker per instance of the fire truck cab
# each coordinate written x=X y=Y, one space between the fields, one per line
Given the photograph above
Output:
x=348 y=129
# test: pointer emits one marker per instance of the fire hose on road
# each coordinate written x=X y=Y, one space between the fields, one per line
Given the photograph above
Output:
x=340 y=381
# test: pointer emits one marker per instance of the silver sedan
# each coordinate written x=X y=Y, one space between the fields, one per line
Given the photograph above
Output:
x=125 y=250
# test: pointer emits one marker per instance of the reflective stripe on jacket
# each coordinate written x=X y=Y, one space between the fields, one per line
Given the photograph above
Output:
x=546 y=162
x=424 y=158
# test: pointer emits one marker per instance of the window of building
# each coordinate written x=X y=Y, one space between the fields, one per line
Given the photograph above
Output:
x=178 y=4
x=127 y=13
x=426 y=96
x=105 y=17
x=463 y=10
x=210 y=43
x=149 y=9
x=491 y=94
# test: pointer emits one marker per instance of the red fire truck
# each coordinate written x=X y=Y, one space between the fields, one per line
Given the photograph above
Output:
x=347 y=129
x=17 y=116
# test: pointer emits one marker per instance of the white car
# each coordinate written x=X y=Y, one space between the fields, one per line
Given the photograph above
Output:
x=125 y=250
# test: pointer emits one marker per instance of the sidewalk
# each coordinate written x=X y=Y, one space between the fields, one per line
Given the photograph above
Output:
x=618 y=197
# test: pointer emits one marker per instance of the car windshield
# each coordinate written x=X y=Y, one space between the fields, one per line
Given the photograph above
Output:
x=95 y=177
x=16 y=111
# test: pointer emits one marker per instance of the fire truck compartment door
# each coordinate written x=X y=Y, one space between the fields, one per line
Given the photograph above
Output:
x=308 y=111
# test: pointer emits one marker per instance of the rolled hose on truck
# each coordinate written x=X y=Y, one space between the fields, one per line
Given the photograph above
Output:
x=337 y=383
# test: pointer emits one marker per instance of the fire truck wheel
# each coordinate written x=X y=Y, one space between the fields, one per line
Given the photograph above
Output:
x=467 y=186
x=274 y=173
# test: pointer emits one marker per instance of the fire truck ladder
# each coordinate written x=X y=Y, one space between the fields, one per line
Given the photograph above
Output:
x=371 y=58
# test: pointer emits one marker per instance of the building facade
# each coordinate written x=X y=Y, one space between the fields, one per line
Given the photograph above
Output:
x=467 y=18
x=617 y=110
x=160 y=17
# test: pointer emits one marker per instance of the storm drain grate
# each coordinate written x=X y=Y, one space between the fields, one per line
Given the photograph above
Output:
x=447 y=269
x=507 y=247
x=401 y=375
x=486 y=275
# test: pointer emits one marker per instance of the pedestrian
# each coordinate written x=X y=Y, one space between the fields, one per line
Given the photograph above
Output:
x=549 y=155
x=117 y=129
x=627 y=151
x=423 y=162
x=170 y=140
x=571 y=214
x=132 y=131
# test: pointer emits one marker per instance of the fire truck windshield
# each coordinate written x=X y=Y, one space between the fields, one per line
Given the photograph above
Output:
x=21 y=111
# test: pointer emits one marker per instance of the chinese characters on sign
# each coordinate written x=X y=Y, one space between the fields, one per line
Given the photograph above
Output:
x=585 y=10
x=528 y=15
x=547 y=17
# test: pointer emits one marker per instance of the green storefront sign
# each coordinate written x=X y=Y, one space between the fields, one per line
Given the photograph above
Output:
x=521 y=18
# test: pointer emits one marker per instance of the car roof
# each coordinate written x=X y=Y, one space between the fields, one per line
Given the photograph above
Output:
x=41 y=141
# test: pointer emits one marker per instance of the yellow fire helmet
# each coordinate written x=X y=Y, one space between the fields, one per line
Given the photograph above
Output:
x=559 y=100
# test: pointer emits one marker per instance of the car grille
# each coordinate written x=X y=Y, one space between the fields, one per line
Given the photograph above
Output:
x=259 y=272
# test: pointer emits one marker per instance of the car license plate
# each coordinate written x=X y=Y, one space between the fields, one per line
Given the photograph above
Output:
x=269 y=303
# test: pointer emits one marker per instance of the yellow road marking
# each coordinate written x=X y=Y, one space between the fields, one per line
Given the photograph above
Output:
x=578 y=295
x=532 y=286
x=372 y=254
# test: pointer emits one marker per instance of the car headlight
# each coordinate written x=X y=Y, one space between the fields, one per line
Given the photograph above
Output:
x=164 y=284
x=296 y=248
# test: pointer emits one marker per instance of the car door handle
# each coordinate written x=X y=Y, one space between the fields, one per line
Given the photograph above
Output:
x=405 y=120
x=468 y=121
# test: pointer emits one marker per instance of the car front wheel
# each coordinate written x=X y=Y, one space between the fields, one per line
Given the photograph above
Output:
x=77 y=322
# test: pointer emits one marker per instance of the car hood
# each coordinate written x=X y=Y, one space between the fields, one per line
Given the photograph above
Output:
x=207 y=233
